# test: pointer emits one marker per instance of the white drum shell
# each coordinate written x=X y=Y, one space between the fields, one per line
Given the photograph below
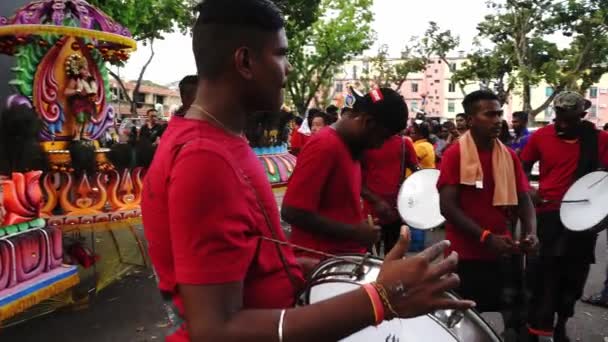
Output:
x=584 y=216
x=418 y=200
x=471 y=328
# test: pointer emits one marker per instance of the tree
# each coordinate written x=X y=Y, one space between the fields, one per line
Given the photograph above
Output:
x=490 y=69
x=437 y=43
x=392 y=73
x=520 y=28
x=299 y=14
x=148 y=20
x=317 y=52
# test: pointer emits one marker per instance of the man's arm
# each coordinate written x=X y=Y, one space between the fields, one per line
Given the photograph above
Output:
x=317 y=224
x=527 y=214
x=450 y=209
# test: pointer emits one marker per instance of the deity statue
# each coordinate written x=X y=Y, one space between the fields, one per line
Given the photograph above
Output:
x=81 y=92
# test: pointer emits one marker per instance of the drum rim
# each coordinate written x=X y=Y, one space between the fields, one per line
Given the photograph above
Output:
x=401 y=191
x=601 y=225
x=305 y=294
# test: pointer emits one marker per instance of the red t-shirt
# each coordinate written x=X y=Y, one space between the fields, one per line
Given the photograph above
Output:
x=326 y=181
x=382 y=168
x=203 y=221
x=558 y=163
x=477 y=203
x=297 y=140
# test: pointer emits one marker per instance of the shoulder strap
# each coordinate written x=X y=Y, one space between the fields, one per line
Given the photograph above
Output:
x=262 y=208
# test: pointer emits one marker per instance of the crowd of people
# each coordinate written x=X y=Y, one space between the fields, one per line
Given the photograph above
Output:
x=228 y=271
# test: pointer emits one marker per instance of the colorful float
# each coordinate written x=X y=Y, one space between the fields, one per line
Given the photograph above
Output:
x=70 y=230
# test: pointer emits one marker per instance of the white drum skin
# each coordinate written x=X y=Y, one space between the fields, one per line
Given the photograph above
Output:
x=418 y=200
x=585 y=205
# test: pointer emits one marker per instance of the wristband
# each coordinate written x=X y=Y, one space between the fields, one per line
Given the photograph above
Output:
x=384 y=297
x=377 y=305
x=484 y=236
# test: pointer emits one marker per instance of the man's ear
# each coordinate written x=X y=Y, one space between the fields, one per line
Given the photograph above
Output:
x=243 y=62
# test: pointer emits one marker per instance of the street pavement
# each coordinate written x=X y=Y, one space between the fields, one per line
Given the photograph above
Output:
x=131 y=311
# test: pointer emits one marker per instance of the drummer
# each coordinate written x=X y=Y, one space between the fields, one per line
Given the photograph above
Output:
x=211 y=220
x=383 y=173
x=323 y=198
x=482 y=188
x=567 y=150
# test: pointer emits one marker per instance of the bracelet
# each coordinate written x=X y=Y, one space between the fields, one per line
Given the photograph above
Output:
x=384 y=296
x=377 y=306
x=484 y=236
x=281 y=320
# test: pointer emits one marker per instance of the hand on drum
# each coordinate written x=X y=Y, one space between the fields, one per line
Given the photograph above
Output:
x=529 y=244
x=416 y=285
x=367 y=233
x=385 y=211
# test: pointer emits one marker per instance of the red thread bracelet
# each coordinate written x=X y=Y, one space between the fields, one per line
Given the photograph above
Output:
x=377 y=305
x=484 y=236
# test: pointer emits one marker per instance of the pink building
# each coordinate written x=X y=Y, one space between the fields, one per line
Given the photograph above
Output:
x=430 y=91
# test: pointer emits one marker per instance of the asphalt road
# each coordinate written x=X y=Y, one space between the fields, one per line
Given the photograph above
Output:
x=130 y=311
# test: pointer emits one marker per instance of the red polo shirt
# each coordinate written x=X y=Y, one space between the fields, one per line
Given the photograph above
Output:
x=382 y=168
x=477 y=203
x=327 y=182
x=558 y=163
x=203 y=221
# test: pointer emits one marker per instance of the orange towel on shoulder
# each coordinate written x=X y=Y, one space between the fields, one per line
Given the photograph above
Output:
x=503 y=168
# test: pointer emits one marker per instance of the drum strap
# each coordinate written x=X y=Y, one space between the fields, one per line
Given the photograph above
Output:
x=403 y=158
x=292 y=278
x=588 y=160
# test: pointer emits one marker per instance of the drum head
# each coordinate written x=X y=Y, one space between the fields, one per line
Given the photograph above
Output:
x=418 y=201
x=584 y=205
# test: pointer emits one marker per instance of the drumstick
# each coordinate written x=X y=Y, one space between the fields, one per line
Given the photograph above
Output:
x=370 y=221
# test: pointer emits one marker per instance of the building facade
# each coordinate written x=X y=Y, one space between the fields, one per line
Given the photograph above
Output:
x=433 y=92
x=151 y=96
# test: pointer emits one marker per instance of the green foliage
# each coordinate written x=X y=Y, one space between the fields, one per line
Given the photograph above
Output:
x=437 y=43
x=519 y=31
x=299 y=14
x=389 y=73
x=316 y=53
x=149 y=19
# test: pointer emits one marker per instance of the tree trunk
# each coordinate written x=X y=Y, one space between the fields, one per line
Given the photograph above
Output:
x=122 y=87
x=527 y=96
x=547 y=102
x=141 y=77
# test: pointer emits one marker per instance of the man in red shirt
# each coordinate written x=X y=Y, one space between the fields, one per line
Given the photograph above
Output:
x=476 y=223
x=323 y=198
x=567 y=150
x=212 y=222
x=383 y=173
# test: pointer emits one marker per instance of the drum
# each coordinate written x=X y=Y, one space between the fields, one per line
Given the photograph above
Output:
x=418 y=200
x=584 y=205
x=337 y=276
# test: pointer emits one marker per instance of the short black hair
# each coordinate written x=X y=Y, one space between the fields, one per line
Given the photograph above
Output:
x=461 y=115
x=423 y=129
x=298 y=120
x=225 y=25
x=606 y=127
x=390 y=111
x=332 y=110
x=318 y=114
x=470 y=101
x=150 y=111
x=521 y=116
x=190 y=80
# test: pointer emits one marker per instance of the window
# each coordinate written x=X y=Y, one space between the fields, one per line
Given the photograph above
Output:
x=366 y=67
x=414 y=87
x=436 y=71
x=452 y=87
x=140 y=98
x=437 y=81
x=593 y=111
x=339 y=87
x=354 y=72
x=453 y=67
x=548 y=91
x=451 y=106
x=414 y=105
x=593 y=92
x=160 y=99
x=548 y=113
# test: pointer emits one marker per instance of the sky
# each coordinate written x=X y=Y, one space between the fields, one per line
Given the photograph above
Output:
x=395 y=22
